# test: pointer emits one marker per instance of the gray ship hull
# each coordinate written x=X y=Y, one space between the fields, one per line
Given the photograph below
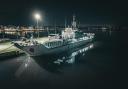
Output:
x=38 y=50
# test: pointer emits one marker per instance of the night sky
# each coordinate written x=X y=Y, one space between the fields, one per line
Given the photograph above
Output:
x=19 y=12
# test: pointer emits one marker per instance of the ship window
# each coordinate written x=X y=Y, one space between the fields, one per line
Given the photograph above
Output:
x=59 y=43
x=52 y=44
x=31 y=49
x=48 y=44
x=56 y=43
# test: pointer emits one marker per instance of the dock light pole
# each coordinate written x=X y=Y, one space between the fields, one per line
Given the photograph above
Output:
x=37 y=17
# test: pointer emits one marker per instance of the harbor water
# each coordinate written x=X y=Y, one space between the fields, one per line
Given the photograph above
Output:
x=96 y=65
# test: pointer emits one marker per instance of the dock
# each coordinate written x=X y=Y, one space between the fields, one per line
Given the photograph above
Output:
x=8 y=50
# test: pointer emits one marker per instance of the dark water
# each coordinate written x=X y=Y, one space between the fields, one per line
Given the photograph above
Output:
x=97 y=65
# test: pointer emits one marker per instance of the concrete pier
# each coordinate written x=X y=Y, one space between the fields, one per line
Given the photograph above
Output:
x=8 y=50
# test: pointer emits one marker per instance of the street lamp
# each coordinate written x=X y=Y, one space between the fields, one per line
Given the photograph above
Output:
x=37 y=17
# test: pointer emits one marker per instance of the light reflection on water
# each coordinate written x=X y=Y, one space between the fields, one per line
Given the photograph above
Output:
x=80 y=51
x=40 y=67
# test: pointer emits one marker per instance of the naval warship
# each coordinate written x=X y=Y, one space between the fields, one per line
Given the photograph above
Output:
x=70 y=38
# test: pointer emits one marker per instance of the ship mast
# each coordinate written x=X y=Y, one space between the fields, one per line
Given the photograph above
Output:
x=55 y=27
x=74 y=22
x=65 y=23
x=47 y=30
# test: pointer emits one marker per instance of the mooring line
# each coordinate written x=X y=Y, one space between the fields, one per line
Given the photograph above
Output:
x=2 y=51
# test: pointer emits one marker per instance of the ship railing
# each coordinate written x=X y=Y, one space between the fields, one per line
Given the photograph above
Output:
x=53 y=44
x=28 y=43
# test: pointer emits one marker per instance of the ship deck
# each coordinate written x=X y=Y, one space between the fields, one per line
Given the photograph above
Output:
x=42 y=39
x=45 y=39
